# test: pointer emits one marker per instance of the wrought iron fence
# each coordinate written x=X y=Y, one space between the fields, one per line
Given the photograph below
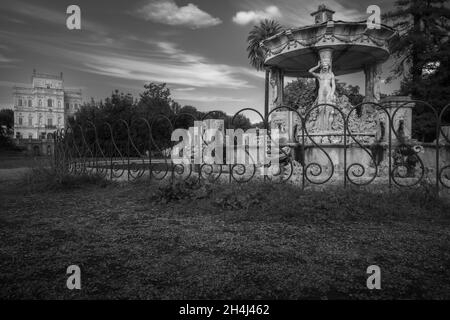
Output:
x=139 y=149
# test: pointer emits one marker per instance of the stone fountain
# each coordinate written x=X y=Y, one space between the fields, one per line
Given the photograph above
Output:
x=323 y=50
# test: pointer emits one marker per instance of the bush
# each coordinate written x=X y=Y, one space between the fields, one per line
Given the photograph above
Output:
x=181 y=190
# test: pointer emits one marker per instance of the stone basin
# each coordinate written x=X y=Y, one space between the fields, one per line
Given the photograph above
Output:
x=354 y=46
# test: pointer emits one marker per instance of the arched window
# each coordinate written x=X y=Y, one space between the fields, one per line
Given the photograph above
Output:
x=50 y=102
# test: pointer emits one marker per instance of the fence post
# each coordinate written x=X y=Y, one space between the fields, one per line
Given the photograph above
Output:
x=438 y=135
x=345 y=151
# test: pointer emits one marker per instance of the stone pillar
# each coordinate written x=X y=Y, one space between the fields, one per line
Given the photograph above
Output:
x=402 y=120
x=372 y=85
x=277 y=88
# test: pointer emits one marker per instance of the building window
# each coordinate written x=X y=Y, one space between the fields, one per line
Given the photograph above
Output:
x=19 y=102
x=67 y=105
x=42 y=135
x=30 y=121
x=40 y=103
x=30 y=104
x=18 y=135
x=20 y=121
x=50 y=121
x=59 y=121
x=40 y=119
x=59 y=103
x=50 y=102
x=30 y=136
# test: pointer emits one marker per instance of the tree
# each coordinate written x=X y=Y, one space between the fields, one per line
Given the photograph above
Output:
x=301 y=93
x=257 y=54
x=423 y=27
x=264 y=30
x=155 y=99
x=6 y=127
x=422 y=57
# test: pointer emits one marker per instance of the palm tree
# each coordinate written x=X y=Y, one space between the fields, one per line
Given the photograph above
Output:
x=264 y=30
x=257 y=54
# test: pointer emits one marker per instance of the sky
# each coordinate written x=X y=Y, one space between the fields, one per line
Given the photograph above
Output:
x=197 y=47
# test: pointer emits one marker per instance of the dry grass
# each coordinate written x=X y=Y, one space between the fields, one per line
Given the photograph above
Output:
x=253 y=241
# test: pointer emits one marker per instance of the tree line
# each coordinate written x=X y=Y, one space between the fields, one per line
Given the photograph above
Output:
x=156 y=105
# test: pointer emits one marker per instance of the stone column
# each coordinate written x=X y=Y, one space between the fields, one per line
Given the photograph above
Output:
x=402 y=121
x=277 y=88
x=372 y=85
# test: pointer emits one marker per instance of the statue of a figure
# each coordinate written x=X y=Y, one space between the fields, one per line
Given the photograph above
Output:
x=377 y=84
x=327 y=87
x=274 y=85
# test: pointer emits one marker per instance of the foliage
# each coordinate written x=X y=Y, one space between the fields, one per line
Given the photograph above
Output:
x=155 y=105
x=301 y=93
x=6 y=128
x=422 y=54
x=181 y=190
x=264 y=30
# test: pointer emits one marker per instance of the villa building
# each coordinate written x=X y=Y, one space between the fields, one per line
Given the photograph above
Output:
x=41 y=109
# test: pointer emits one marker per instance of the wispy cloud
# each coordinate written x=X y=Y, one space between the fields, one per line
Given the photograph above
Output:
x=184 y=89
x=4 y=59
x=42 y=13
x=168 y=12
x=207 y=98
x=252 y=16
x=164 y=62
x=295 y=13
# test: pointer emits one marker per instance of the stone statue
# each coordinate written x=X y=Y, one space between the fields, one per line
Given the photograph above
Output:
x=273 y=84
x=327 y=88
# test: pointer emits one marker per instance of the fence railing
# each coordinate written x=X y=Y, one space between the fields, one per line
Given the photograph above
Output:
x=140 y=148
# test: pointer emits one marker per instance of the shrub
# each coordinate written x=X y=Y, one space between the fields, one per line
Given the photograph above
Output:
x=181 y=190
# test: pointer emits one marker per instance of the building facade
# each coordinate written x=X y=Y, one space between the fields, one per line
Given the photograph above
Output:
x=41 y=109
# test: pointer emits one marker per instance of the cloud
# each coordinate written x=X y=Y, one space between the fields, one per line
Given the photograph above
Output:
x=161 y=61
x=246 y=17
x=42 y=13
x=4 y=59
x=184 y=89
x=200 y=98
x=296 y=13
x=177 y=67
x=168 y=12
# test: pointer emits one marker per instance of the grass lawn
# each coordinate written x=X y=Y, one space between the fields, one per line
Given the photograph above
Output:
x=14 y=161
x=251 y=241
